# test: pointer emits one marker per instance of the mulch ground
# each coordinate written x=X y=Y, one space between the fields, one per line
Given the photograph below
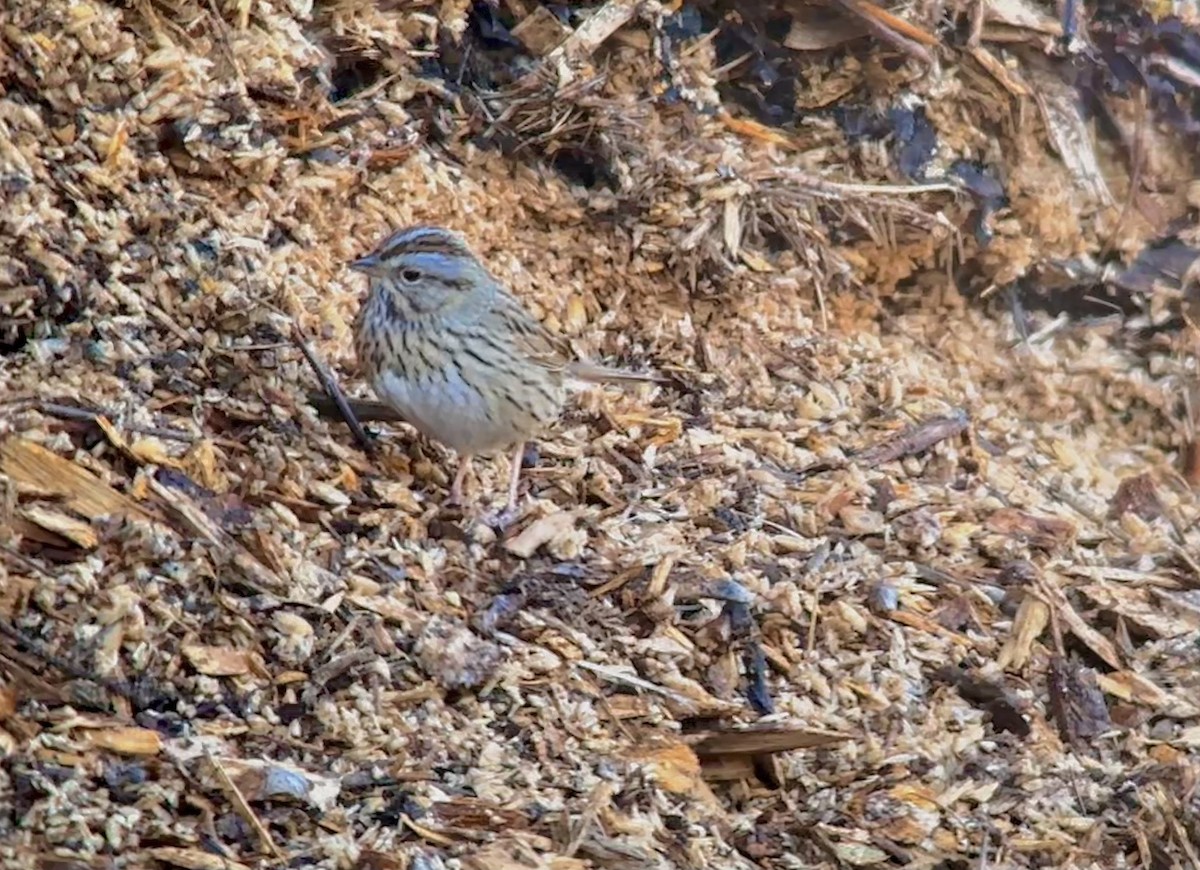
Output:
x=897 y=569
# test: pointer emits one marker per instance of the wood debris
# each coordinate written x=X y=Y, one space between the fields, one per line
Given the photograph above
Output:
x=905 y=540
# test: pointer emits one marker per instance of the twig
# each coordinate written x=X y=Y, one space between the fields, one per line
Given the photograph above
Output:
x=621 y=678
x=25 y=562
x=334 y=392
x=70 y=412
x=816 y=186
x=892 y=29
x=242 y=806
x=39 y=650
x=365 y=410
x=915 y=440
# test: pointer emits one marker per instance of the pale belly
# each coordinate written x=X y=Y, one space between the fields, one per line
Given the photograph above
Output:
x=449 y=410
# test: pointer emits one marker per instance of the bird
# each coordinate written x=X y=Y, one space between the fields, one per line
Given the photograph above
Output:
x=444 y=343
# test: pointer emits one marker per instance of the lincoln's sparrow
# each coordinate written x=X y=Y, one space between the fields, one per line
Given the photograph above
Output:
x=457 y=356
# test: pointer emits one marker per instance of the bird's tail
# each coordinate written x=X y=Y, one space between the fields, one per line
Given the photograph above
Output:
x=599 y=374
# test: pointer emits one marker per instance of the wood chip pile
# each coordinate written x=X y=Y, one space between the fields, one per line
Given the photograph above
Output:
x=898 y=570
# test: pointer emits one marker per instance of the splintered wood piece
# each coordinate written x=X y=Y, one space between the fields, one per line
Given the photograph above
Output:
x=1068 y=129
x=38 y=470
x=815 y=28
x=758 y=740
x=588 y=37
x=1010 y=80
x=914 y=440
x=541 y=31
x=729 y=754
x=1149 y=612
x=70 y=529
x=1031 y=620
x=1095 y=641
x=1137 y=689
x=754 y=130
x=194 y=859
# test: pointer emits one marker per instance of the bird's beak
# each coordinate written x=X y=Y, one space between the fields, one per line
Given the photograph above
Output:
x=368 y=265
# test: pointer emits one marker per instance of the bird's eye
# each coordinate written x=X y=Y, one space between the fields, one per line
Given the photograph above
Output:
x=411 y=275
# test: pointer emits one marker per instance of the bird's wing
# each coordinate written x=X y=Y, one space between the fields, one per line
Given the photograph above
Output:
x=533 y=340
x=553 y=352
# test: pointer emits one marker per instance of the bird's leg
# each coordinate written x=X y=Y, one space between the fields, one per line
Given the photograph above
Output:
x=514 y=478
x=456 y=488
x=502 y=519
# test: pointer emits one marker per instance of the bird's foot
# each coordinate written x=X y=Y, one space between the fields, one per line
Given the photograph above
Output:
x=503 y=519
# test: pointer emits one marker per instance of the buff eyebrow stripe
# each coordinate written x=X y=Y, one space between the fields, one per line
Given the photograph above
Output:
x=413 y=235
x=443 y=250
x=431 y=244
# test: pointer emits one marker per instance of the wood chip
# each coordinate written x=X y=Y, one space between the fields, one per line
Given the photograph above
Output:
x=35 y=468
x=127 y=741
x=541 y=532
